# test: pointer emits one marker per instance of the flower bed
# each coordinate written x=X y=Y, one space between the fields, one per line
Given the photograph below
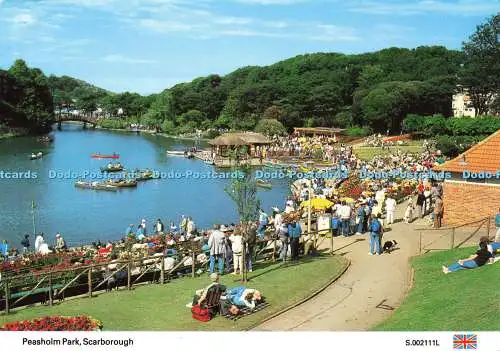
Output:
x=55 y=323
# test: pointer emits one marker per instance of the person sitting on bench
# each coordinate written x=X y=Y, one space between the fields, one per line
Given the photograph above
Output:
x=201 y=295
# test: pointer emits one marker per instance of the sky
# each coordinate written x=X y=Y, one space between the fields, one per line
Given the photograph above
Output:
x=146 y=46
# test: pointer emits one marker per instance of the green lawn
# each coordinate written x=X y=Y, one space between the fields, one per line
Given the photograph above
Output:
x=367 y=153
x=163 y=307
x=463 y=300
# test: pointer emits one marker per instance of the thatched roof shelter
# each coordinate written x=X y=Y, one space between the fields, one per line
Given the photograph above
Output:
x=240 y=138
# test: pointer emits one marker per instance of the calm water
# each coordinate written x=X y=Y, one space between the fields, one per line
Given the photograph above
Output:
x=83 y=215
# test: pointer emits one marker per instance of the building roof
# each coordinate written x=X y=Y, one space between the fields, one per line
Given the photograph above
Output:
x=240 y=138
x=482 y=157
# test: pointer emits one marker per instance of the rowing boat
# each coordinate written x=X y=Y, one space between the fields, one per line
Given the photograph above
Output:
x=175 y=153
x=114 y=156
x=95 y=186
x=263 y=184
x=36 y=156
x=112 y=168
x=122 y=183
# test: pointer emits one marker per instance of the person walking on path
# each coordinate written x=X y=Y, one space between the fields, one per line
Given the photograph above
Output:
x=294 y=231
x=390 y=208
x=216 y=243
x=376 y=231
x=420 y=204
x=438 y=212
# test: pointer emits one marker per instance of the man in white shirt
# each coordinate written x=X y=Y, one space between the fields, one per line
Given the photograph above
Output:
x=216 y=243
x=345 y=217
x=390 y=208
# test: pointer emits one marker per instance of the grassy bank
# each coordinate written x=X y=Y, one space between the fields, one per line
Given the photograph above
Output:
x=463 y=300
x=163 y=307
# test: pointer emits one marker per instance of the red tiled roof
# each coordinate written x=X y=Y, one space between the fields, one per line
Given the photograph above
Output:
x=482 y=157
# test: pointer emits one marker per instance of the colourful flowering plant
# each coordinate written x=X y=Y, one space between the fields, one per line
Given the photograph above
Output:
x=55 y=323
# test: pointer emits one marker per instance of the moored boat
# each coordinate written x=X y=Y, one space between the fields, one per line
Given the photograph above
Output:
x=175 y=153
x=95 y=186
x=264 y=184
x=36 y=156
x=113 y=156
x=143 y=175
x=122 y=183
x=112 y=167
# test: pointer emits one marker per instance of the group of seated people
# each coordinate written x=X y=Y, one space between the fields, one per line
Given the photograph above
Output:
x=487 y=254
x=231 y=300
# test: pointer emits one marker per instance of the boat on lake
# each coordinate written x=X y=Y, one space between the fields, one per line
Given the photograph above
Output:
x=113 y=156
x=36 y=156
x=143 y=175
x=175 y=153
x=122 y=183
x=264 y=184
x=95 y=186
x=112 y=167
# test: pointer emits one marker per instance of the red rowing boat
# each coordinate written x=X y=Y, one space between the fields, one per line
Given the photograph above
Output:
x=114 y=156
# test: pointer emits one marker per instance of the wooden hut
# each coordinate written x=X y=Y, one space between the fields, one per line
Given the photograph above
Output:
x=248 y=144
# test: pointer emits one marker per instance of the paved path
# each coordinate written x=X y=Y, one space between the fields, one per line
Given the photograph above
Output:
x=366 y=294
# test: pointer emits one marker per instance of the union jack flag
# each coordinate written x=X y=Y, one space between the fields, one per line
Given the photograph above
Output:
x=465 y=342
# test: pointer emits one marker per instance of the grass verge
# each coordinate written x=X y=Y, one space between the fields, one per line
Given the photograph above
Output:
x=463 y=300
x=163 y=307
x=367 y=153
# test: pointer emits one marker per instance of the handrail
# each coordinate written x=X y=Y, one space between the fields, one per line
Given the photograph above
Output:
x=454 y=227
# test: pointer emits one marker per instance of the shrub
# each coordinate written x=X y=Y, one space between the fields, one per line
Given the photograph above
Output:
x=270 y=127
x=358 y=131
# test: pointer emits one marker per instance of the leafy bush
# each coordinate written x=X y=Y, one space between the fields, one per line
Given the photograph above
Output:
x=439 y=125
x=270 y=127
x=358 y=131
x=453 y=145
x=113 y=123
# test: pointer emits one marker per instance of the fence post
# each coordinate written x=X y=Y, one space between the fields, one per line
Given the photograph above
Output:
x=51 y=300
x=488 y=227
x=162 y=270
x=452 y=238
x=89 y=280
x=129 y=274
x=420 y=242
x=193 y=264
x=7 y=295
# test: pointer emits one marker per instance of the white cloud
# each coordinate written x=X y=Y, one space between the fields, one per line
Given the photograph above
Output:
x=233 y=20
x=276 y=24
x=270 y=2
x=166 y=26
x=329 y=32
x=455 y=7
x=118 y=58
x=23 y=19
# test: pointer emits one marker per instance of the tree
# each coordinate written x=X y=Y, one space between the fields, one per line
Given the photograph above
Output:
x=481 y=71
x=270 y=127
x=243 y=191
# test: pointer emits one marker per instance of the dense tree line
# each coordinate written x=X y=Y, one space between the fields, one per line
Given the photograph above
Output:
x=25 y=99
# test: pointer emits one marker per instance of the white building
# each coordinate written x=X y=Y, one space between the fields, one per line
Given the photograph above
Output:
x=462 y=105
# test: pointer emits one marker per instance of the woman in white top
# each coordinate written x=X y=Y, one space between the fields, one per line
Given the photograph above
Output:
x=237 y=248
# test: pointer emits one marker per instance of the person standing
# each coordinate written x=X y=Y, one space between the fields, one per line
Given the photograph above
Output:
x=159 y=226
x=438 y=212
x=190 y=227
x=294 y=232
x=390 y=208
x=345 y=217
x=420 y=204
x=183 y=225
x=360 y=220
x=26 y=243
x=39 y=242
x=237 y=248
x=263 y=221
x=375 y=235
x=216 y=243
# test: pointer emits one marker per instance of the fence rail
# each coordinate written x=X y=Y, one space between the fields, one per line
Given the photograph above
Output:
x=448 y=236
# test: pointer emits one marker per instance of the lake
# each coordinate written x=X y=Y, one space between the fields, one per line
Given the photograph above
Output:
x=84 y=216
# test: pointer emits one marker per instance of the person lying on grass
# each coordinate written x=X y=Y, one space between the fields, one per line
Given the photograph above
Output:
x=480 y=258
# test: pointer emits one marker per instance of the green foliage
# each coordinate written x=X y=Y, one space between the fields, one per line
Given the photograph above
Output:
x=109 y=123
x=438 y=125
x=243 y=191
x=25 y=99
x=168 y=127
x=453 y=145
x=481 y=67
x=270 y=127
x=358 y=131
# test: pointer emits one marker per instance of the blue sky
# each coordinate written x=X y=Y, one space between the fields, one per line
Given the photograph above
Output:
x=149 y=45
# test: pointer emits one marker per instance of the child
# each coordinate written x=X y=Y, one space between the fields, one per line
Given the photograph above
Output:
x=409 y=213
